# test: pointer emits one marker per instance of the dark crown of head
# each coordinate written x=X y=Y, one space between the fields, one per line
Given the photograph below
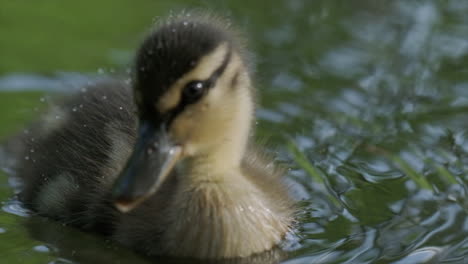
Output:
x=172 y=50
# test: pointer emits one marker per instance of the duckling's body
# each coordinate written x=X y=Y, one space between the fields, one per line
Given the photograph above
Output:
x=221 y=199
x=75 y=152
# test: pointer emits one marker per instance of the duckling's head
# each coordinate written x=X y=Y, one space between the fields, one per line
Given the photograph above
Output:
x=194 y=98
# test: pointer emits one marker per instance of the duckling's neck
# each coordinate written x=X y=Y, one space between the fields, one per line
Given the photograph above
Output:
x=224 y=158
x=219 y=163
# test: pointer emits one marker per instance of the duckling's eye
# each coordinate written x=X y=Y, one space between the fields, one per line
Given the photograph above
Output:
x=194 y=91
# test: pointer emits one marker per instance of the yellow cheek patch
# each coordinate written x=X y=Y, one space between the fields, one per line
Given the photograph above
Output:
x=202 y=71
x=170 y=99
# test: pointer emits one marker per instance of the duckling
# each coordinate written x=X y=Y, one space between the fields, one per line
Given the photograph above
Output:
x=165 y=165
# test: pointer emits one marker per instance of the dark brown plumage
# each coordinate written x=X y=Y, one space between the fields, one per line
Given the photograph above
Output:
x=75 y=145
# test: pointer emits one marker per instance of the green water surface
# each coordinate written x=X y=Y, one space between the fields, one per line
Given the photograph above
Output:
x=365 y=101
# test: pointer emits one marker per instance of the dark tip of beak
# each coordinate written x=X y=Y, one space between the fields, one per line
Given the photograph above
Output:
x=145 y=170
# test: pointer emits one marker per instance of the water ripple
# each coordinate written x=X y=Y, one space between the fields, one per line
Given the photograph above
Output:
x=16 y=208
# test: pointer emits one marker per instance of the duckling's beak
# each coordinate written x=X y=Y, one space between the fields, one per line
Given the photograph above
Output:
x=152 y=160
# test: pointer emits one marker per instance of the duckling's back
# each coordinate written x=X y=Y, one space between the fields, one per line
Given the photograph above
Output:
x=72 y=156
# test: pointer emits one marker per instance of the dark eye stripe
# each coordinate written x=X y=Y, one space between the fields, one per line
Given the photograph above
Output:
x=220 y=70
x=235 y=79
x=171 y=114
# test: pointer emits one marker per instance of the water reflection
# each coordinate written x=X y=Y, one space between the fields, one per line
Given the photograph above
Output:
x=66 y=243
